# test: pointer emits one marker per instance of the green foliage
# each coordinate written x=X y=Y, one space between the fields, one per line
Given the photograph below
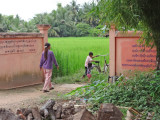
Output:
x=95 y=32
x=140 y=92
x=15 y=24
x=124 y=112
x=73 y=78
x=70 y=20
x=82 y=29
x=77 y=77
x=133 y=15
x=123 y=13
x=71 y=52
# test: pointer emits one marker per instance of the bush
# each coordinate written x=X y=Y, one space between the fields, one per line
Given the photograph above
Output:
x=141 y=92
x=95 y=32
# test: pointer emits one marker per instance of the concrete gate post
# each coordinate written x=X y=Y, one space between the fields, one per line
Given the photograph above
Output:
x=43 y=28
x=112 y=51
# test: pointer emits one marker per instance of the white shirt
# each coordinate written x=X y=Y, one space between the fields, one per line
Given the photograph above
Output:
x=88 y=60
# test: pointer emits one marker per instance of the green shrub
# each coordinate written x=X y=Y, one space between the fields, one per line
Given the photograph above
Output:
x=141 y=92
x=95 y=32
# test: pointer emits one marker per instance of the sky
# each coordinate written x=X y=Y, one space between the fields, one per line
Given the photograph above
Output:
x=27 y=9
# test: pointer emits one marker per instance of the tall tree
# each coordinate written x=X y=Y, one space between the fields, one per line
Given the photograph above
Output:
x=90 y=17
x=65 y=21
x=133 y=14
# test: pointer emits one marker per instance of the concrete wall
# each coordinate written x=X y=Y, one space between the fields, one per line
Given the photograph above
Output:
x=20 y=55
x=127 y=54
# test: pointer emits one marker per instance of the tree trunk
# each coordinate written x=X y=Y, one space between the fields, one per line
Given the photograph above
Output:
x=158 y=62
x=158 y=57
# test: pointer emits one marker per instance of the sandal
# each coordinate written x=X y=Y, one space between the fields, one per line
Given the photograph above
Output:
x=51 y=88
x=45 y=91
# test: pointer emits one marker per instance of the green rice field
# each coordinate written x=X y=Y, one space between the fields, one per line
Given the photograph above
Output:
x=71 y=52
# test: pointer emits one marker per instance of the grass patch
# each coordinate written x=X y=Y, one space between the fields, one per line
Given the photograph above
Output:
x=124 y=112
x=77 y=77
x=71 y=52
x=74 y=78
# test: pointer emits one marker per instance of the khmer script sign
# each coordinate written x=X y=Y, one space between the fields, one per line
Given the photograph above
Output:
x=18 y=46
x=135 y=56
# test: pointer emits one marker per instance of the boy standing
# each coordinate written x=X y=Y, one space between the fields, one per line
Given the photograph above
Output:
x=88 y=60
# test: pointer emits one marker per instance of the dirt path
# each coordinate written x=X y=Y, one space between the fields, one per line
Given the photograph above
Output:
x=31 y=96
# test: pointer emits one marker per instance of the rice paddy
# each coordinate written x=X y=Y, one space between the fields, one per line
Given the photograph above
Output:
x=71 y=52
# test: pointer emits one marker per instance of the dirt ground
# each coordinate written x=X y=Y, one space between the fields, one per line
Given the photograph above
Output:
x=31 y=96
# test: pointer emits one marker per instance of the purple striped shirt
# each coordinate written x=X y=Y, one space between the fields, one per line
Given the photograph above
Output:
x=48 y=64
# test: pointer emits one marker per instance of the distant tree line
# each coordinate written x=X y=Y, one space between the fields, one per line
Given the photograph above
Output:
x=71 y=20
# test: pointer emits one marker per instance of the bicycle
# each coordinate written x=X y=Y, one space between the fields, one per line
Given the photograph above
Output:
x=106 y=70
x=105 y=67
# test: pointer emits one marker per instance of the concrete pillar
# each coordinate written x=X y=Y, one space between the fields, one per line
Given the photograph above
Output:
x=112 y=51
x=43 y=28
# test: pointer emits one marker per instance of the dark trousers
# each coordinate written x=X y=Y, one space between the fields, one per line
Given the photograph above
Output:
x=85 y=72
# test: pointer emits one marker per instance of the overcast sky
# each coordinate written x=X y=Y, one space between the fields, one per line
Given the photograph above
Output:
x=26 y=9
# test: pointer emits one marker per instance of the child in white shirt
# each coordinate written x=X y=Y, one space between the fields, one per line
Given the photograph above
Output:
x=88 y=60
